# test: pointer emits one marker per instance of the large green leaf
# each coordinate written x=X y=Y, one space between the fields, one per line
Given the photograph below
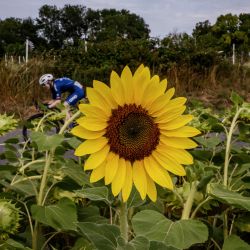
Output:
x=222 y=194
x=94 y=194
x=103 y=236
x=46 y=142
x=11 y=244
x=62 y=216
x=208 y=142
x=180 y=234
x=91 y=214
x=75 y=172
x=140 y=243
x=160 y=246
x=234 y=242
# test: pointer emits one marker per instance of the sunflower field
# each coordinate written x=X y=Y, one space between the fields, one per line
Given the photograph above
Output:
x=143 y=169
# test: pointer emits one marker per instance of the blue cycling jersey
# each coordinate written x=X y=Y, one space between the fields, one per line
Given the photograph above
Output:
x=65 y=84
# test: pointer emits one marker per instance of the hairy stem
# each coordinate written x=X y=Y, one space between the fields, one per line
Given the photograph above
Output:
x=189 y=203
x=124 y=220
x=228 y=146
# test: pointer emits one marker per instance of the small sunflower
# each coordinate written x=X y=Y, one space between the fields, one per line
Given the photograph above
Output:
x=135 y=133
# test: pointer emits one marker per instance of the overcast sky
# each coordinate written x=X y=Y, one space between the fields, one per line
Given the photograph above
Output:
x=162 y=16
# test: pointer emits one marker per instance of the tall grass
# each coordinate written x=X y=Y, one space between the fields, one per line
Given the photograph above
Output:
x=19 y=82
x=19 y=85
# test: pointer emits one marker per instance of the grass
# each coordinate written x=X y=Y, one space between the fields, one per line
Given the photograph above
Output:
x=19 y=83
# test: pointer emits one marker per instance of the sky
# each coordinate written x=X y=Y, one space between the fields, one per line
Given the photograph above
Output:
x=162 y=16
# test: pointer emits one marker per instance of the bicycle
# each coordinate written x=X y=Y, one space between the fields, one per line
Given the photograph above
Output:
x=50 y=120
x=46 y=120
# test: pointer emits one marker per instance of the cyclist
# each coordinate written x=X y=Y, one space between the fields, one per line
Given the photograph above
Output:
x=59 y=86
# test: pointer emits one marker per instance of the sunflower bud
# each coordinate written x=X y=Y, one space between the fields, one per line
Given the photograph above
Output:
x=9 y=219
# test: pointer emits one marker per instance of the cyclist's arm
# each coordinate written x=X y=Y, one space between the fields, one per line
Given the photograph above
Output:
x=54 y=103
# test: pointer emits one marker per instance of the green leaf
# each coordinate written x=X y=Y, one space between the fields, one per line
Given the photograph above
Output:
x=236 y=99
x=122 y=245
x=75 y=172
x=94 y=194
x=236 y=243
x=11 y=156
x=140 y=243
x=61 y=216
x=74 y=142
x=243 y=223
x=46 y=142
x=13 y=140
x=160 y=246
x=91 y=214
x=222 y=194
x=82 y=244
x=180 y=234
x=103 y=236
x=11 y=244
x=208 y=142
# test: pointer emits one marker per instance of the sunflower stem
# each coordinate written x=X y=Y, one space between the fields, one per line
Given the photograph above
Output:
x=124 y=220
x=189 y=203
x=67 y=123
x=228 y=146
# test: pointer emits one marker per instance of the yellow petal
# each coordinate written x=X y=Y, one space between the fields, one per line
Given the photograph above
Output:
x=161 y=101
x=158 y=175
x=178 y=142
x=91 y=124
x=169 y=116
x=169 y=164
x=127 y=187
x=98 y=173
x=92 y=111
x=91 y=146
x=176 y=123
x=127 y=82
x=139 y=178
x=97 y=158
x=185 y=131
x=117 y=88
x=105 y=92
x=138 y=70
x=140 y=82
x=86 y=134
x=171 y=105
x=163 y=85
x=151 y=189
x=97 y=100
x=152 y=92
x=179 y=155
x=119 y=179
x=111 y=167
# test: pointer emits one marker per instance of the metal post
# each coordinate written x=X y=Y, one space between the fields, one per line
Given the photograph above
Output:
x=26 y=50
x=233 y=53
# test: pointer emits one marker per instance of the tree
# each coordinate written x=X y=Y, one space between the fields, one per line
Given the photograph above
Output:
x=73 y=21
x=110 y=24
x=50 y=28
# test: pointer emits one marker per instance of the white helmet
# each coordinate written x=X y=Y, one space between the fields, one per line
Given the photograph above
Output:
x=45 y=78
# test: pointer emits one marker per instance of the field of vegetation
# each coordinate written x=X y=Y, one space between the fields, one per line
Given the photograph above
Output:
x=47 y=200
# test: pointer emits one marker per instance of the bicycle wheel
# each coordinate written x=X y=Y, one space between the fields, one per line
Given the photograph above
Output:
x=48 y=127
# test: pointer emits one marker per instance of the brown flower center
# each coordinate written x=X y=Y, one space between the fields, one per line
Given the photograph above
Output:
x=132 y=133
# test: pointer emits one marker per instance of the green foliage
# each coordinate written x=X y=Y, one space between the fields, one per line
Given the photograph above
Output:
x=54 y=215
x=7 y=123
x=63 y=209
x=181 y=234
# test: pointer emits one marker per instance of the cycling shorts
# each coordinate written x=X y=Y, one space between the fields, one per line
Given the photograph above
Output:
x=76 y=96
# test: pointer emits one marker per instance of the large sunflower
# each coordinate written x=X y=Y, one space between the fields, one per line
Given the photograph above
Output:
x=135 y=133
